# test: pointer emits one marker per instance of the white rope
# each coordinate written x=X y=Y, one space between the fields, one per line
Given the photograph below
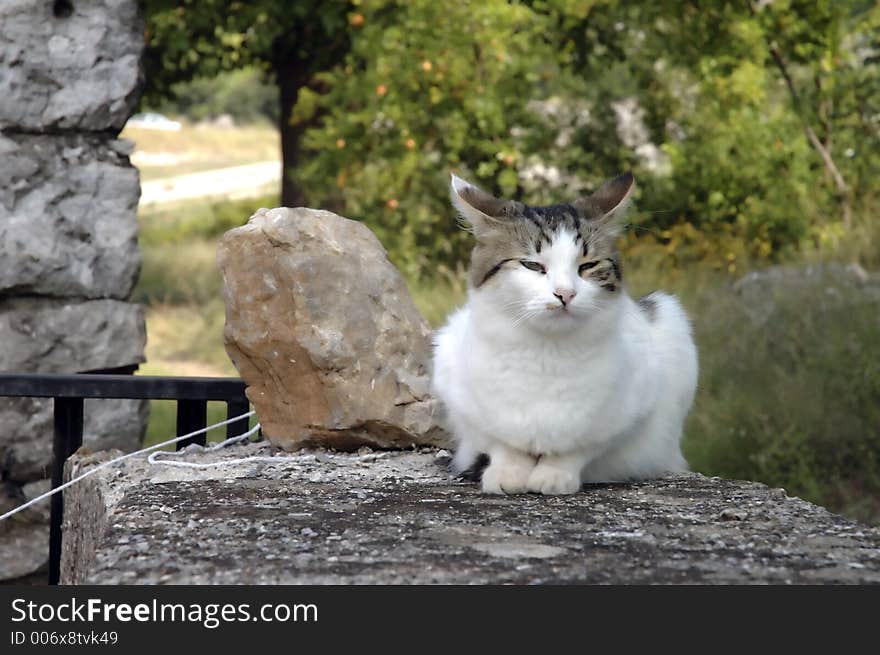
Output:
x=155 y=457
x=126 y=456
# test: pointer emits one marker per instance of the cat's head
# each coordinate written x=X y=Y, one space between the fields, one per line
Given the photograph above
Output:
x=553 y=267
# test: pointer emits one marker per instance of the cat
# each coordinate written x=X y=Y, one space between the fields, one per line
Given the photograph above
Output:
x=551 y=371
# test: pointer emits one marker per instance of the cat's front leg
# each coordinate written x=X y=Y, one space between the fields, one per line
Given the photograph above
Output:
x=557 y=474
x=508 y=471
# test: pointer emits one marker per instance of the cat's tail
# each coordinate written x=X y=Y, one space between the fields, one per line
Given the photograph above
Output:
x=469 y=463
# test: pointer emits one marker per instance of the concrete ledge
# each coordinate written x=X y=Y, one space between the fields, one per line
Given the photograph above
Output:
x=399 y=517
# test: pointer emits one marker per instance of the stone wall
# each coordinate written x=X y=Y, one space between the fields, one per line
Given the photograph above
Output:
x=70 y=77
x=400 y=517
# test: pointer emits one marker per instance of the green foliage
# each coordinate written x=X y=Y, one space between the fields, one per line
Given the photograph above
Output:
x=428 y=87
x=292 y=42
x=243 y=94
x=188 y=39
x=752 y=124
x=738 y=184
x=542 y=100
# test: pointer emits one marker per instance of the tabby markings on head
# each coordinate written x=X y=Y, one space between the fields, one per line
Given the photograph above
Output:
x=508 y=231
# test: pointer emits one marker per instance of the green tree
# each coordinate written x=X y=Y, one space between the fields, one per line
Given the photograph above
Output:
x=427 y=88
x=244 y=94
x=815 y=53
x=541 y=101
x=749 y=124
x=290 y=41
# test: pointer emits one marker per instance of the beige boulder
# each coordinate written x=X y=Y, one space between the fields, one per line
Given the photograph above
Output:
x=321 y=327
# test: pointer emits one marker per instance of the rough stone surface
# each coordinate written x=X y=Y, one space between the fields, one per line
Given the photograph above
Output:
x=24 y=548
x=399 y=517
x=68 y=217
x=24 y=538
x=827 y=287
x=48 y=335
x=70 y=76
x=43 y=335
x=26 y=432
x=74 y=70
x=322 y=328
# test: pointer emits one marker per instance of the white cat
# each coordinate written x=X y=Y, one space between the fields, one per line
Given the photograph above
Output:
x=551 y=369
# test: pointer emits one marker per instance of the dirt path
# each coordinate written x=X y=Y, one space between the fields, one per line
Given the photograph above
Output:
x=232 y=182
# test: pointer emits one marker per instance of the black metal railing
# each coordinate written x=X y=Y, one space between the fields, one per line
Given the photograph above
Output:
x=69 y=391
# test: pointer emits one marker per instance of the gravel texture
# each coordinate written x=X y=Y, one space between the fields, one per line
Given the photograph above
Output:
x=399 y=517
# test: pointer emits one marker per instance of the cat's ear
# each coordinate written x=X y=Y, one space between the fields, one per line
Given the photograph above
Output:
x=609 y=203
x=479 y=210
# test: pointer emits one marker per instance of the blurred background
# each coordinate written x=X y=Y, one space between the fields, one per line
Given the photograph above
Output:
x=753 y=129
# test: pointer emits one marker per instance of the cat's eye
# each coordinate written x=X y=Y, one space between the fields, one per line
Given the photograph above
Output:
x=586 y=267
x=533 y=266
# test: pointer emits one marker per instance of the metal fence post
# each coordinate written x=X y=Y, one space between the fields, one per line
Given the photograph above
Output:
x=69 y=390
x=237 y=408
x=192 y=415
x=68 y=419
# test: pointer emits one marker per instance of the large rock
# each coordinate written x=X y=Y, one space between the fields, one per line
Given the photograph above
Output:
x=68 y=217
x=69 y=64
x=321 y=327
x=399 y=517
x=824 y=287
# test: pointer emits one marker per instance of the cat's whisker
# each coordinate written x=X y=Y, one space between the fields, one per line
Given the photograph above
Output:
x=526 y=316
x=519 y=317
x=517 y=307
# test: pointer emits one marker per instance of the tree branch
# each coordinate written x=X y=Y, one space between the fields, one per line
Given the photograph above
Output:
x=815 y=141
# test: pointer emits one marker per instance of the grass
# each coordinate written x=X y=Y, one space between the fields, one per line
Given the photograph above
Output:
x=180 y=284
x=793 y=400
x=197 y=219
x=194 y=148
x=181 y=288
x=789 y=390
x=185 y=340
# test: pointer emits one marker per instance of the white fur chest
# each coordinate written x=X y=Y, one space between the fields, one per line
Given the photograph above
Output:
x=539 y=395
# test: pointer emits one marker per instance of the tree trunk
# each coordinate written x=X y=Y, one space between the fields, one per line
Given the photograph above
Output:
x=291 y=75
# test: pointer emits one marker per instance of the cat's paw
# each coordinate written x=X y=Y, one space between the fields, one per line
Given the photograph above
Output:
x=506 y=479
x=553 y=481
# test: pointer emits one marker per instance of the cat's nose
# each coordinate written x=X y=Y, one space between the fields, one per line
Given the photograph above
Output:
x=565 y=295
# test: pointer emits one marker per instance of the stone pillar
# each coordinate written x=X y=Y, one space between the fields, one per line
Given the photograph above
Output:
x=70 y=76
